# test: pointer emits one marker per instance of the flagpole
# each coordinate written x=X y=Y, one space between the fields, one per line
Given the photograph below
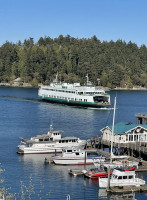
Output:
x=112 y=135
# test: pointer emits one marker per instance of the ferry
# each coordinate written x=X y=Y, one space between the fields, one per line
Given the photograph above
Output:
x=75 y=94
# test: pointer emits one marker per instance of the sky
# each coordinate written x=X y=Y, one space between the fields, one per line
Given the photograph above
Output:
x=106 y=19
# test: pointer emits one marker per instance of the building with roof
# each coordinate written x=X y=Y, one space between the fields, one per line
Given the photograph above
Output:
x=125 y=133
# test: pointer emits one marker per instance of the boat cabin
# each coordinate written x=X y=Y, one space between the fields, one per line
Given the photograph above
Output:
x=120 y=175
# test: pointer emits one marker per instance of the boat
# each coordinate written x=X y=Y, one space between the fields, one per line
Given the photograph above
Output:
x=77 y=157
x=74 y=94
x=51 y=142
x=116 y=163
x=121 y=178
x=102 y=172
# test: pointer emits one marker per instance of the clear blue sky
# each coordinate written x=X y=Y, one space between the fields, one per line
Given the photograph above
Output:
x=107 y=19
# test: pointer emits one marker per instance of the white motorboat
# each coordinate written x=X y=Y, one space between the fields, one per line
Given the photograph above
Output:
x=77 y=157
x=116 y=163
x=121 y=178
x=49 y=143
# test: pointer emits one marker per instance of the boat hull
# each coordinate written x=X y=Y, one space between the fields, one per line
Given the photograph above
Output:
x=74 y=103
x=73 y=161
x=44 y=149
x=103 y=183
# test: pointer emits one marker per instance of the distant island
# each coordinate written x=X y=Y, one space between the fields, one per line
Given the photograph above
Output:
x=116 y=65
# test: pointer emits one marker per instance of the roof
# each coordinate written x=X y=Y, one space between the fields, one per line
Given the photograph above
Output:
x=18 y=80
x=123 y=127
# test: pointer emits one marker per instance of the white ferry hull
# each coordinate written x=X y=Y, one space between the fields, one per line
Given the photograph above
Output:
x=74 y=103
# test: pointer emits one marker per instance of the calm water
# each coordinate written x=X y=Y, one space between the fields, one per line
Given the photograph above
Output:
x=22 y=114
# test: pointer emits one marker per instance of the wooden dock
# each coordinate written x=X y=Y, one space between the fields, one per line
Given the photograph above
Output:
x=127 y=189
x=75 y=172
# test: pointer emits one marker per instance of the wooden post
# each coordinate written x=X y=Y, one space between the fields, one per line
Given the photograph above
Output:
x=108 y=185
x=85 y=161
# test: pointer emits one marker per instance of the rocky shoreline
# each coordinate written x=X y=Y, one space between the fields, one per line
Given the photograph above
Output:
x=27 y=85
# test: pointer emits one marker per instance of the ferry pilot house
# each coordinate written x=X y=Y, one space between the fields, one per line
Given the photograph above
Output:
x=125 y=133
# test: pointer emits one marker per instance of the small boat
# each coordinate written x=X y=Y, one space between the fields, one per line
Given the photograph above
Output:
x=77 y=157
x=116 y=163
x=51 y=142
x=121 y=178
x=102 y=172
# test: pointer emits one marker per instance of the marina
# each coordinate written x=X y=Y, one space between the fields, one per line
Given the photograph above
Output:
x=34 y=117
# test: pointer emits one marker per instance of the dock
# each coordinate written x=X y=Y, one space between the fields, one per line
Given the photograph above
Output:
x=75 y=172
x=127 y=189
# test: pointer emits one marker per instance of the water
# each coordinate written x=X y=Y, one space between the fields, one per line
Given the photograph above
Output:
x=24 y=115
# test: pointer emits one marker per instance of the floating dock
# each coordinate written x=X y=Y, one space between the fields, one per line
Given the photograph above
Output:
x=127 y=189
x=75 y=172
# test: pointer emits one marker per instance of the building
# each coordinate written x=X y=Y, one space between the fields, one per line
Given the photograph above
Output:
x=141 y=118
x=18 y=82
x=125 y=133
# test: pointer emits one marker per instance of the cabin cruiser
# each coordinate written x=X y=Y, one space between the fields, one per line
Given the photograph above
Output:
x=121 y=178
x=77 y=157
x=49 y=143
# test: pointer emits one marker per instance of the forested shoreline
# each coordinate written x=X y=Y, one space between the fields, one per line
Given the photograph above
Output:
x=108 y=64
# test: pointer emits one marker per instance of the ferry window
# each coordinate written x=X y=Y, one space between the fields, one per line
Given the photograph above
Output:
x=40 y=140
x=77 y=154
x=69 y=150
x=124 y=177
x=46 y=139
x=66 y=141
x=119 y=177
x=59 y=141
x=130 y=177
x=126 y=137
x=51 y=139
x=63 y=141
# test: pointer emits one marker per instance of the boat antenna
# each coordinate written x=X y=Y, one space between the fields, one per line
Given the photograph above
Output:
x=113 y=128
